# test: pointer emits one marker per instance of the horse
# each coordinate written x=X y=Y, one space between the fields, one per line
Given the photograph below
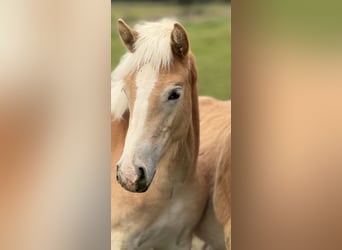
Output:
x=157 y=199
x=214 y=164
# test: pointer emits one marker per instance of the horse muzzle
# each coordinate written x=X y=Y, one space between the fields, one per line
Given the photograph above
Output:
x=135 y=180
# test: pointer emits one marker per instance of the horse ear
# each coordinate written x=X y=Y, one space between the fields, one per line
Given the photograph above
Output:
x=127 y=34
x=179 y=41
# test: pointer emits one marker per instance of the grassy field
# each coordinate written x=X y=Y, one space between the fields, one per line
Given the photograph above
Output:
x=208 y=26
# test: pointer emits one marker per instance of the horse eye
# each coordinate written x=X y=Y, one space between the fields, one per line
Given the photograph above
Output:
x=173 y=95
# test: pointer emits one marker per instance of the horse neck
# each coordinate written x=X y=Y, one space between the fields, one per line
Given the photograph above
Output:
x=195 y=120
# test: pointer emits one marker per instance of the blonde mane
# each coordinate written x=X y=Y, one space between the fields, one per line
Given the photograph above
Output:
x=153 y=47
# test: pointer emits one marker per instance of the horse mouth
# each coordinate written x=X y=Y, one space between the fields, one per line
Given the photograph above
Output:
x=138 y=188
x=142 y=189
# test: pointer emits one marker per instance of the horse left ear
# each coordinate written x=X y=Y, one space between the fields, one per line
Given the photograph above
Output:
x=179 y=41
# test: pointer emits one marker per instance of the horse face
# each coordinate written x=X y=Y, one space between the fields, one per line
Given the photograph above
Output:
x=154 y=77
x=160 y=114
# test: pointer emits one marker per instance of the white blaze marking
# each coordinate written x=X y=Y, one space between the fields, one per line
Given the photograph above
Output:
x=145 y=81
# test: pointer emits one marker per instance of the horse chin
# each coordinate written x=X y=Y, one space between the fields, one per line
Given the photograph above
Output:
x=142 y=189
x=135 y=188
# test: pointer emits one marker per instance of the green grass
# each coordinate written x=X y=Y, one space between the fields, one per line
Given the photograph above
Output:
x=208 y=27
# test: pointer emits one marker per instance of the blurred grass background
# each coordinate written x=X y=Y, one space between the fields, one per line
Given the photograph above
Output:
x=209 y=29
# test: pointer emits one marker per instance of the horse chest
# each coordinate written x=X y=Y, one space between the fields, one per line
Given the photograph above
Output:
x=171 y=227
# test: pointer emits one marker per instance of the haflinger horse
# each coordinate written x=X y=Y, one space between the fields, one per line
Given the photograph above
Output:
x=214 y=166
x=159 y=195
x=157 y=199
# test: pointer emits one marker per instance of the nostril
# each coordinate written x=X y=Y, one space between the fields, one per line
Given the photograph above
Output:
x=117 y=172
x=141 y=183
x=141 y=174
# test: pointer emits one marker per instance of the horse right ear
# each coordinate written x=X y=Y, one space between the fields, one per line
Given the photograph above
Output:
x=127 y=34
